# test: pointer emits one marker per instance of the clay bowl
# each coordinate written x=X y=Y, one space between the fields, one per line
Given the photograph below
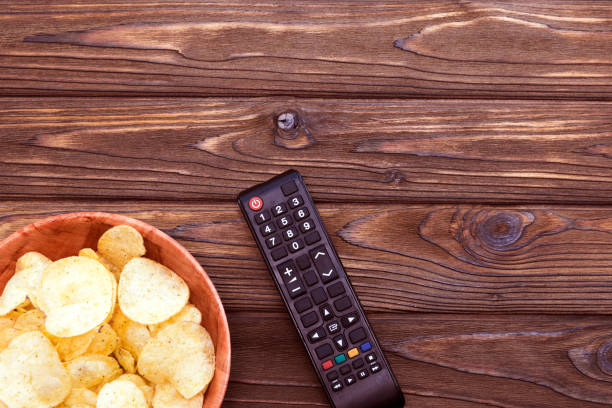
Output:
x=63 y=235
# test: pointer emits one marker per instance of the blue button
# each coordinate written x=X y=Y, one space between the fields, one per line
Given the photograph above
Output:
x=366 y=346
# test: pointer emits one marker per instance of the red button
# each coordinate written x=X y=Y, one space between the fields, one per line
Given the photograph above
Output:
x=255 y=203
x=327 y=365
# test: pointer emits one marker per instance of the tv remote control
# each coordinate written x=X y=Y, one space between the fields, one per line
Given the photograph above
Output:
x=318 y=294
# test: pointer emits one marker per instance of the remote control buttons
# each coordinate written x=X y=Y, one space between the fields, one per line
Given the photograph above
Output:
x=345 y=369
x=306 y=226
x=268 y=229
x=366 y=347
x=357 y=335
x=255 y=203
x=296 y=245
x=340 y=342
x=324 y=350
x=358 y=363
x=350 y=380
x=371 y=357
x=336 y=385
x=336 y=289
x=279 y=253
x=309 y=319
x=323 y=264
x=289 y=188
x=317 y=335
x=290 y=233
x=333 y=327
x=301 y=214
x=332 y=375
x=375 y=368
x=303 y=304
x=303 y=262
x=352 y=353
x=310 y=278
x=318 y=295
x=349 y=319
x=312 y=238
x=327 y=365
x=340 y=358
x=284 y=221
x=273 y=241
x=343 y=303
x=326 y=312
x=262 y=217
x=362 y=374
x=279 y=209
x=295 y=201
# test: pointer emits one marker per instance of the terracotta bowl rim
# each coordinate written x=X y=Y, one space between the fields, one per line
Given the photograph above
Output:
x=145 y=226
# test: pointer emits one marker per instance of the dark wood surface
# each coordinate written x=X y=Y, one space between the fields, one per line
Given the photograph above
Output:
x=460 y=154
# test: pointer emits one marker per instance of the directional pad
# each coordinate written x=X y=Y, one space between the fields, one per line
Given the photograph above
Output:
x=340 y=342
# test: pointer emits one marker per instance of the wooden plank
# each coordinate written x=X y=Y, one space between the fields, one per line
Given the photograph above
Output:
x=348 y=150
x=552 y=49
x=400 y=258
x=468 y=361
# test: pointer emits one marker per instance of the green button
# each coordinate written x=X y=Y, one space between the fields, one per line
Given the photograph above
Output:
x=340 y=359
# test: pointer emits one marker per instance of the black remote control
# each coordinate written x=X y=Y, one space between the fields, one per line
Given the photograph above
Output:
x=318 y=294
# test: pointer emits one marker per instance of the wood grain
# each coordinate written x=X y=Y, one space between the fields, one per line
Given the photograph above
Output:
x=469 y=361
x=552 y=49
x=400 y=258
x=369 y=150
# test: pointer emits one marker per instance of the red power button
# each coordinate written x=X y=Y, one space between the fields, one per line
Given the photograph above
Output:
x=255 y=203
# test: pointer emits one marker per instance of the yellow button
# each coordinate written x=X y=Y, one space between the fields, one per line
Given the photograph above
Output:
x=353 y=353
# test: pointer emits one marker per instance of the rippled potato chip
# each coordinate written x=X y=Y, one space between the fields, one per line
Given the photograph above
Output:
x=120 y=244
x=70 y=348
x=7 y=335
x=81 y=397
x=22 y=288
x=126 y=360
x=30 y=260
x=189 y=313
x=121 y=393
x=142 y=384
x=77 y=295
x=150 y=293
x=91 y=370
x=31 y=373
x=31 y=320
x=104 y=340
x=182 y=354
x=166 y=396
x=132 y=335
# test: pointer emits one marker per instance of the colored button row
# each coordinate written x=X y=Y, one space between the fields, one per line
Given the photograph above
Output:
x=341 y=358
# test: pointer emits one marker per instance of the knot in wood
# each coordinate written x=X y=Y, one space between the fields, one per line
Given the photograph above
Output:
x=499 y=229
x=604 y=355
x=291 y=131
x=287 y=120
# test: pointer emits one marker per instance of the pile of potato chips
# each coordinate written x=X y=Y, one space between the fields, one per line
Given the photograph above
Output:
x=105 y=329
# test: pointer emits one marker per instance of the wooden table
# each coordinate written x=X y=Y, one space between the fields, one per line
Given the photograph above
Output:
x=460 y=154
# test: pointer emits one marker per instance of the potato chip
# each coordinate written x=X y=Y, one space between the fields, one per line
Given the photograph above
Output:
x=5 y=323
x=182 y=354
x=133 y=336
x=20 y=289
x=92 y=369
x=150 y=293
x=166 y=396
x=81 y=397
x=120 y=244
x=126 y=360
x=31 y=320
x=121 y=393
x=31 y=374
x=104 y=340
x=7 y=335
x=142 y=384
x=70 y=348
x=189 y=313
x=30 y=260
x=89 y=253
x=77 y=295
